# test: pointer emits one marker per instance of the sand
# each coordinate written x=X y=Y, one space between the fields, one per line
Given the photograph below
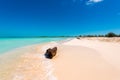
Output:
x=88 y=60
x=76 y=59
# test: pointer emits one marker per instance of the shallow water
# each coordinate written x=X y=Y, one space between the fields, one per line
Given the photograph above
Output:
x=7 y=44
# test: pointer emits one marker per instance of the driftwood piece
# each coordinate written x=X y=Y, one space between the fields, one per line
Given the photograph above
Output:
x=50 y=53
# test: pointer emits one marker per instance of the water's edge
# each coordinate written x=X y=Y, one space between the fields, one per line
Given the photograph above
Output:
x=8 y=44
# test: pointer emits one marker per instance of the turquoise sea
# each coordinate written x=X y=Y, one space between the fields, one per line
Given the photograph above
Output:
x=7 y=44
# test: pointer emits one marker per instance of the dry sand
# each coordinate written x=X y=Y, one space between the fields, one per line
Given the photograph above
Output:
x=88 y=60
x=77 y=59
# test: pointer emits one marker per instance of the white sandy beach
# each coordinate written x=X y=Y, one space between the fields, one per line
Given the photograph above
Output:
x=77 y=59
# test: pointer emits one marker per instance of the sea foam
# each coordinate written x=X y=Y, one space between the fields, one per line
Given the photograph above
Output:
x=46 y=73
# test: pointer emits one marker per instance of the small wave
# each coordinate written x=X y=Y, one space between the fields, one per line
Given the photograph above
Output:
x=48 y=64
x=45 y=70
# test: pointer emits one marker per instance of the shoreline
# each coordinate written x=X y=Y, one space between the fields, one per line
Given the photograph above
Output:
x=9 y=44
x=16 y=57
x=77 y=59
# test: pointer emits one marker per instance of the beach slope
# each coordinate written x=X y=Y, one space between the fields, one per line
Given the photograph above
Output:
x=84 y=59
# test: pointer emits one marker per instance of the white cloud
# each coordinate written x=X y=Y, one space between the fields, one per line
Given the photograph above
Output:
x=93 y=1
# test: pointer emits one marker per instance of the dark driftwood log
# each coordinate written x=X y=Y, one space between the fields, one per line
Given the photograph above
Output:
x=50 y=53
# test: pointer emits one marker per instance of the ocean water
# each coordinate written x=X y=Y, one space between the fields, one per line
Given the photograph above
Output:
x=7 y=44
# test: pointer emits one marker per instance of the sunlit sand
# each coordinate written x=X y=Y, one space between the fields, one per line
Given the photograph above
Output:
x=76 y=59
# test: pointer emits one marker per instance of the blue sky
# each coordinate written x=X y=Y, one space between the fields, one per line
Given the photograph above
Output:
x=58 y=17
